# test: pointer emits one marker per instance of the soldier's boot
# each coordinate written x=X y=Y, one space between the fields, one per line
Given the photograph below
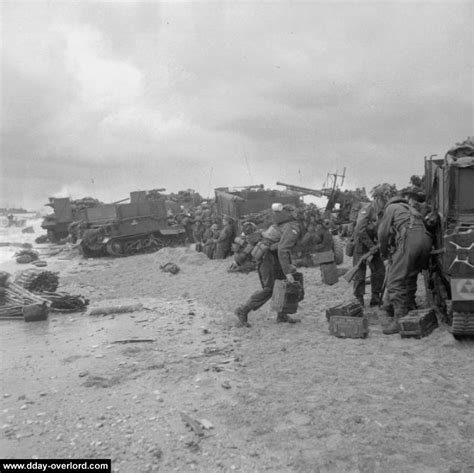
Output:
x=374 y=300
x=385 y=315
x=285 y=318
x=392 y=327
x=242 y=314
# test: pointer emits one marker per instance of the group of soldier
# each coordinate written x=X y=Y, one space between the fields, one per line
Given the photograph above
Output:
x=217 y=237
x=211 y=235
x=390 y=237
x=392 y=230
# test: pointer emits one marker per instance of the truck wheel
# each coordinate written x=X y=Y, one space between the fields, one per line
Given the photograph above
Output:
x=338 y=249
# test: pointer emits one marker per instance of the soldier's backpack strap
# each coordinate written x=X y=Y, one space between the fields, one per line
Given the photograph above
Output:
x=414 y=215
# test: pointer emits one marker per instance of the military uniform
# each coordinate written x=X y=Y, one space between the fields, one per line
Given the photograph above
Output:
x=187 y=223
x=324 y=240
x=402 y=234
x=365 y=238
x=198 y=234
x=275 y=264
x=209 y=244
x=198 y=231
x=224 y=241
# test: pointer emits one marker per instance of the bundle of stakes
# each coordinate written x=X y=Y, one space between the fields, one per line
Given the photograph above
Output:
x=44 y=285
x=63 y=302
x=26 y=256
x=37 y=280
x=16 y=298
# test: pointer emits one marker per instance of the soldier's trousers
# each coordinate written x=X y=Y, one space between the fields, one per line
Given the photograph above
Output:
x=377 y=275
x=222 y=250
x=269 y=270
x=410 y=258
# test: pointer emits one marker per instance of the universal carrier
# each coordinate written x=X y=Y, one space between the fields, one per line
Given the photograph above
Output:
x=450 y=197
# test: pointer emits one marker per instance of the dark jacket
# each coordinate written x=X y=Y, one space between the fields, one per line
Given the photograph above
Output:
x=198 y=232
x=290 y=233
x=397 y=218
x=365 y=230
x=224 y=241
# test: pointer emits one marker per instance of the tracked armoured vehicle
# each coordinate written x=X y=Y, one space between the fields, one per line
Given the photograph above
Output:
x=251 y=203
x=449 y=184
x=65 y=212
x=123 y=229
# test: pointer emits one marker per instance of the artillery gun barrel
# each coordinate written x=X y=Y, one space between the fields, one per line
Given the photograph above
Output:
x=302 y=190
x=120 y=201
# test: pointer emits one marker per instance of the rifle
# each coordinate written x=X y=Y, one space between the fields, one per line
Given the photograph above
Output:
x=384 y=286
x=349 y=276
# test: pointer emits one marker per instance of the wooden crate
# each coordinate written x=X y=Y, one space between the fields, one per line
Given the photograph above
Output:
x=329 y=275
x=348 y=327
x=346 y=309
x=323 y=257
x=418 y=323
x=286 y=296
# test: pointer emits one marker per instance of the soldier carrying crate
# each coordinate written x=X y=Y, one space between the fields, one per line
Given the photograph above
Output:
x=275 y=263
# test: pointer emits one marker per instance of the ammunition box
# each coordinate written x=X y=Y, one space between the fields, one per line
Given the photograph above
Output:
x=286 y=296
x=346 y=309
x=418 y=323
x=329 y=275
x=323 y=257
x=348 y=327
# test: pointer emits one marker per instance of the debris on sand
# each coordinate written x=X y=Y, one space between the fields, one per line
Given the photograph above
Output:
x=136 y=340
x=170 y=268
x=116 y=309
x=193 y=424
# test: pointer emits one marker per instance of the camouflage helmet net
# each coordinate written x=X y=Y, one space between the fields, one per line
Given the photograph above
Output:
x=384 y=191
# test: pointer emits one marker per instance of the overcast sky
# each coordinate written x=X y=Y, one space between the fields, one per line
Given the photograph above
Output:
x=103 y=98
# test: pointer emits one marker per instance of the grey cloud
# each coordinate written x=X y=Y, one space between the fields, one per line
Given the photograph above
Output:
x=299 y=88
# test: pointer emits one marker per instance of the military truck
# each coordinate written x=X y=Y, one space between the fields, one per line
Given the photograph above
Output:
x=450 y=200
x=122 y=229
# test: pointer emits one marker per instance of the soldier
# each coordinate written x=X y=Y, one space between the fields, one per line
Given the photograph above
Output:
x=317 y=239
x=187 y=222
x=307 y=247
x=402 y=236
x=275 y=264
x=242 y=248
x=225 y=238
x=198 y=233
x=208 y=239
x=206 y=212
x=365 y=239
x=324 y=241
x=416 y=198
